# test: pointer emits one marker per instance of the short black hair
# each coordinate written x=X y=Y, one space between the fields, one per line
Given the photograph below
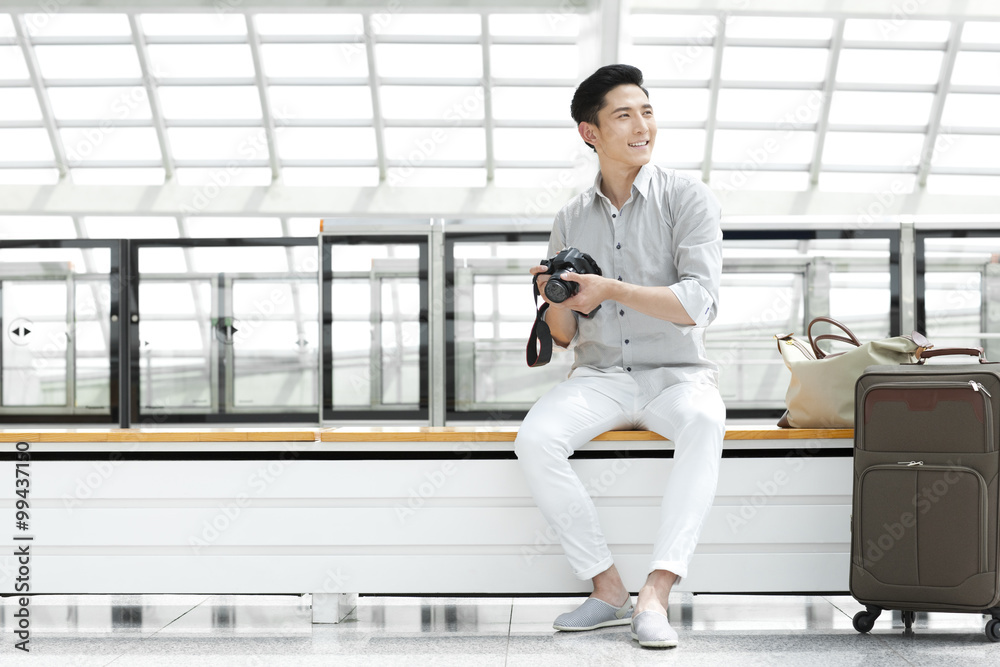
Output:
x=589 y=97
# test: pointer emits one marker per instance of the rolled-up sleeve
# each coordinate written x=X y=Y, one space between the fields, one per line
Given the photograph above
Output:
x=697 y=251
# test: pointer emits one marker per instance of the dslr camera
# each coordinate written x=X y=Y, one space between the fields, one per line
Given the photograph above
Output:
x=567 y=260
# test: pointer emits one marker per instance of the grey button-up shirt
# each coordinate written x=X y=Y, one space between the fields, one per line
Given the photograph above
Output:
x=668 y=233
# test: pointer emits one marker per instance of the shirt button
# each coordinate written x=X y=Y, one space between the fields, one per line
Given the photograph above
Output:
x=619 y=277
x=626 y=341
x=619 y=246
x=621 y=312
x=629 y=369
x=613 y=215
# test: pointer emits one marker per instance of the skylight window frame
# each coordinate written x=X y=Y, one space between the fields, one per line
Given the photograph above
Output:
x=488 y=81
x=253 y=38
x=715 y=81
x=267 y=118
x=48 y=118
x=152 y=94
x=22 y=124
x=375 y=81
x=937 y=108
x=828 y=85
x=378 y=121
x=488 y=123
x=718 y=42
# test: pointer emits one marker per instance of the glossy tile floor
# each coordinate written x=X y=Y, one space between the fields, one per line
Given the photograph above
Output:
x=224 y=631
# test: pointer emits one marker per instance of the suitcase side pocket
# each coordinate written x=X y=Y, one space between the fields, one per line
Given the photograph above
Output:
x=923 y=526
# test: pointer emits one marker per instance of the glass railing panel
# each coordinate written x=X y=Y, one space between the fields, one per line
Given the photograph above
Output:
x=55 y=330
x=228 y=330
x=400 y=341
x=93 y=344
x=276 y=345
x=493 y=312
x=774 y=282
x=375 y=296
x=176 y=347
x=37 y=328
x=753 y=307
x=958 y=294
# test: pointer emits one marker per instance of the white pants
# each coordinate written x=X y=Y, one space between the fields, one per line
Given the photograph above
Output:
x=571 y=414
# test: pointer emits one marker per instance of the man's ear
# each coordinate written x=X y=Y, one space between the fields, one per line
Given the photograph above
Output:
x=587 y=132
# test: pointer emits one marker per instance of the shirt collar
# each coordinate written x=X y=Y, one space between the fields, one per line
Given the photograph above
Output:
x=641 y=182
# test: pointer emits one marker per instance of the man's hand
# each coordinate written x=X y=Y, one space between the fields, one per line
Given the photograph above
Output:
x=594 y=290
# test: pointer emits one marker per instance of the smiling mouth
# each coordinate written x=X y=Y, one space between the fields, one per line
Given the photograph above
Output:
x=640 y=144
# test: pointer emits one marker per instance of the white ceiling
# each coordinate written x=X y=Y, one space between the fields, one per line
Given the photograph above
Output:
x=248 y=102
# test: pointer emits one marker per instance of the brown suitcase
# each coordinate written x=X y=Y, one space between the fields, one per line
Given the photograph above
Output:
x=925 y=508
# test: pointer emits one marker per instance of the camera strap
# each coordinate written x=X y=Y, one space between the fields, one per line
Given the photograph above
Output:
x=539 y=350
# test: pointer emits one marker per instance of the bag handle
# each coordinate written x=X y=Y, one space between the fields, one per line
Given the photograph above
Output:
x=949 y=351
x=851 y=338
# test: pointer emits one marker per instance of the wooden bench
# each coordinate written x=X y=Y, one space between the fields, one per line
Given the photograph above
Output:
x=403 y=510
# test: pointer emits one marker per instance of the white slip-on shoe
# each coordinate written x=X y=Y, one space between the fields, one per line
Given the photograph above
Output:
x=652 y=630
x=593 y=614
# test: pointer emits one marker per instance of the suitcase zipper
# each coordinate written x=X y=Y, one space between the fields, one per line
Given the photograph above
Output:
x=972 y=384
x=983 y=505
x=976 y=386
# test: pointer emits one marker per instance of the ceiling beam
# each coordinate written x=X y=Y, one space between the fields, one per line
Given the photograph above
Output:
x=718 y=45
x=937 y=109
x=454 y=203
x=48 y=117
x=265 y=98
x=823 y=119
x=373 y=83
x=319 y=6
x=894 y=10
x=153 y=95
x=610 y=30
x=488 y=97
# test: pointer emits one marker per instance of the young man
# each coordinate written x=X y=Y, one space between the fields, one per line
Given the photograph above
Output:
x=640 y=360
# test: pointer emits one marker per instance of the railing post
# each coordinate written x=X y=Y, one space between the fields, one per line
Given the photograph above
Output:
x=436 y=342
x=907 y=278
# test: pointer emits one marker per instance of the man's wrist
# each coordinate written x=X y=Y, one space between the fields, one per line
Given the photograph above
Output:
x=615 y=290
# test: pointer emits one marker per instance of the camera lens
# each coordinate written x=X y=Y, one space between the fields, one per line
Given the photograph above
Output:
x=558 y=291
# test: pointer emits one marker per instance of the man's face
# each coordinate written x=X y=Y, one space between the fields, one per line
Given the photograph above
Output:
x=627 y=129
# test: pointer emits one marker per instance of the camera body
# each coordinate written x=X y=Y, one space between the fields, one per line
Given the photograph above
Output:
x=567 y=260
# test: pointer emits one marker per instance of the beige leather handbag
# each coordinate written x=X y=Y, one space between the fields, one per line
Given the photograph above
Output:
x=821 y=391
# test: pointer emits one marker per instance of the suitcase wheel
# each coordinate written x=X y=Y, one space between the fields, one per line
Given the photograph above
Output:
x=992 y=630
x=864 y=621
